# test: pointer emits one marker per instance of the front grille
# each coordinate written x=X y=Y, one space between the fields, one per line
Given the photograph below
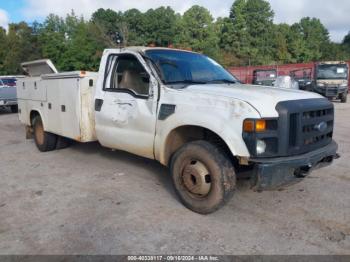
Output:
x=306 y=125
x=293 y=129
x=331 y=90
x=317 y=127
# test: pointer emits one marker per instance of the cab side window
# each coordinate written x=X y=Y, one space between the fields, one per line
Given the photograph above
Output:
x=130 y=76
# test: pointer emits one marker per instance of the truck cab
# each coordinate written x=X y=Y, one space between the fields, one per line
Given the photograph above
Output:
x=304 y=78
x=265 y=77
x=186 y=111
x=331 y=80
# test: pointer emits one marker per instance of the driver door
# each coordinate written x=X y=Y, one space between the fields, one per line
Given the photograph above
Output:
x=126 y=108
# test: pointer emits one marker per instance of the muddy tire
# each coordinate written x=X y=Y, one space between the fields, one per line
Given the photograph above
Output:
x=14 y=108
x=344 y=97
x=203 y=177
x=44 y=141
x=63 y=142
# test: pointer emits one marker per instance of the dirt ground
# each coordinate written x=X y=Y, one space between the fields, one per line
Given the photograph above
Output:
x=90 y=200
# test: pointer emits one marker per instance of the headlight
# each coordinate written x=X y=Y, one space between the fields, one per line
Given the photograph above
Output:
x=344 y=85
x=260 y=147
x=320 y=84
x=261 y=136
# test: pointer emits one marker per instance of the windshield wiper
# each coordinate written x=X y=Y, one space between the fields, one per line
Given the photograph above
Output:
x=222 y=81
x=190 y=82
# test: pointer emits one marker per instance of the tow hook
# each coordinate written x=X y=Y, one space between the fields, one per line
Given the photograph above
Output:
x=302 y=171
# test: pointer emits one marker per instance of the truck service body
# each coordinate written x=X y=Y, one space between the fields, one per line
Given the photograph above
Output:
x=185 y=111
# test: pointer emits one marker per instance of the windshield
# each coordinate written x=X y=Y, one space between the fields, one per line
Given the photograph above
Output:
x=8 y=81
x=332 y=72
x=265 y=75
x=301 y=74
x=180 y=67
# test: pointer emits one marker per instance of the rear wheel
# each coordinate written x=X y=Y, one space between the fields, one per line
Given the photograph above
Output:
x=14 y=108
x=44 y=141
x=63 y=142
x=344 y=97
x=203 y=177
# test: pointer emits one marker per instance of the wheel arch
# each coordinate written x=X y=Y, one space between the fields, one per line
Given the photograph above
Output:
x=34 y=113
x=183 y=134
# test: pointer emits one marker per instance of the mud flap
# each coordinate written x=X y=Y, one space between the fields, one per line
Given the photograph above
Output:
x=29 y=132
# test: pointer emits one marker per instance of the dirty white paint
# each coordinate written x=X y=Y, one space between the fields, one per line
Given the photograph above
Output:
x=129 y=123
x=70 y=90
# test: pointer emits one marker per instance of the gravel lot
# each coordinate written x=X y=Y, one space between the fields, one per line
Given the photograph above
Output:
x=90 y=200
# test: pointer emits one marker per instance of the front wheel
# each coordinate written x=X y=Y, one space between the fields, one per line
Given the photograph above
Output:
x=203 y=177
x=344 y=97
x=44 y=141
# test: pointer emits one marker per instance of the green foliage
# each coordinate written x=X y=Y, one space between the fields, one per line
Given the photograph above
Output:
x=197 y=31
x=21 y=45
x=247 y=36
x=314 y=35
x=136 y=27
x=52 y=38
x=160 y=26
x=346 y=45
x=282 y=44
x=3 y=46
x=248 y=31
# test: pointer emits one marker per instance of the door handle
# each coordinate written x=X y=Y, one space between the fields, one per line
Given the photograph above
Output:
x=98 y=104
x=121 y=102
x=124 y=103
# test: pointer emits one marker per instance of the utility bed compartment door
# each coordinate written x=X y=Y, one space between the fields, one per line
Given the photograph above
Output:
x=39 y=67
x=32 y=88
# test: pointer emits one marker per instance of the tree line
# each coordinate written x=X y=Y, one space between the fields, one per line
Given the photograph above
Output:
x=248 y=36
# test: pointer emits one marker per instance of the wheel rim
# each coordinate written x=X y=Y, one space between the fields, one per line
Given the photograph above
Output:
x=196 y=178
x=39 y=133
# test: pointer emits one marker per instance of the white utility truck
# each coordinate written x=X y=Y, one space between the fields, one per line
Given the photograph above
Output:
x=186 y=111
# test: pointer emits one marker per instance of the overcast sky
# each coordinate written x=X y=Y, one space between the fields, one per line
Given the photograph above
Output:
x=335 y=14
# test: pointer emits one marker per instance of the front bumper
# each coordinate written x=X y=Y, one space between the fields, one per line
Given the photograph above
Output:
x=272 y=173
x=331 y=91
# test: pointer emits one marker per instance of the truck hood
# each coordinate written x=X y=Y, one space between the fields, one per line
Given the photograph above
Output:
x=263 y=98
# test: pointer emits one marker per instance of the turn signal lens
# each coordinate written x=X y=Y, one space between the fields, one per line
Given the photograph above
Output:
x=260 y=125
x=254 y=126
x=248 y=126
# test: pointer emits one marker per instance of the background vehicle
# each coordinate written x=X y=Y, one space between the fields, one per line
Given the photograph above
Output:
x=303 y=77
x=186 y=111
x=286 y=82
x=264 y=77
x=8 y=94
x=330 y=79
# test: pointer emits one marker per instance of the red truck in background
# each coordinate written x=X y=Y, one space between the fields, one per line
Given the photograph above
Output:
x=330 y=79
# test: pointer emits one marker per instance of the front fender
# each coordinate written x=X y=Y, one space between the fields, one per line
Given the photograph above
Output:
x=224 y=118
